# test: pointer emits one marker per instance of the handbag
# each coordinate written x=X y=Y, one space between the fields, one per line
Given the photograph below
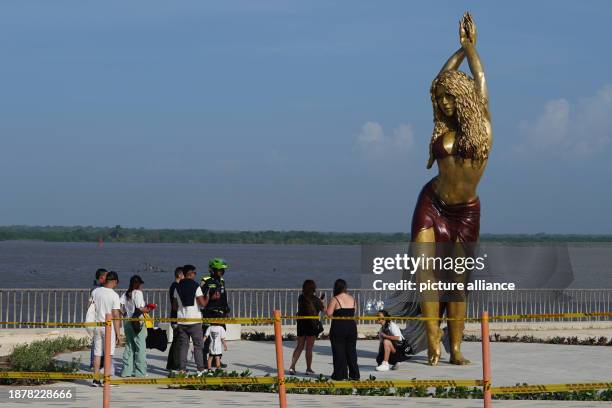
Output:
x=403 y=350
x=137 y=324
x=148 y=321
x=318 y=326
x=157 y=339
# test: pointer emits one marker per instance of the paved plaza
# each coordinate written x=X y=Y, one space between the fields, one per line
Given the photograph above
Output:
x=512 y=363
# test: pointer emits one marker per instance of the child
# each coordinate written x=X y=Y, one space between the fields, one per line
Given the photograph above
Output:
x=216 y=332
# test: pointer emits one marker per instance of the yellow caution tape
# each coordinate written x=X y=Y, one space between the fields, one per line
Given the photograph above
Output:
x=383 y=384
x=376 y=318
x=501 y=317
x=56 y=324
x=550 y=316
x=220 y=381
x=197 y=381
x=534 y=389
x=263 y=320
x=36 y=375
x=296 y=384
x=229 y=320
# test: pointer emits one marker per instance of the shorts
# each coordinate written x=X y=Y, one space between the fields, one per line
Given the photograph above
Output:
x=215 y=355
x=98 y=342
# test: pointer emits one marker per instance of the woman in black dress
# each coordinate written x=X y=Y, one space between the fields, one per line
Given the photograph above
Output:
x=307 y=329
x=174 y=357
x=343 y=334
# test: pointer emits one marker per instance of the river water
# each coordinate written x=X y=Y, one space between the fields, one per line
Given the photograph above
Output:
x=35 y=264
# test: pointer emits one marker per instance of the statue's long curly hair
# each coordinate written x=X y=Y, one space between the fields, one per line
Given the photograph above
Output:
x=470 y=111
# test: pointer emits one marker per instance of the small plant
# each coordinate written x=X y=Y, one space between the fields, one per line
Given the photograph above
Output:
x=38 y=356
x=438 y=392
x=261 y=336
x=573 y=341
x=496 y=337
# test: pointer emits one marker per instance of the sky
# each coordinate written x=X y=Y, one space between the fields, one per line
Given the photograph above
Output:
x=294 y=115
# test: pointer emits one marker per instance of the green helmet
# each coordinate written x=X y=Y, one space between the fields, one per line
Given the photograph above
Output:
x=217 y=263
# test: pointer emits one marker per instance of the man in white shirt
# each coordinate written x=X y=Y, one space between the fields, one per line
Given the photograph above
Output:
x=98 y=283
x=106 y=300
x=186 y=301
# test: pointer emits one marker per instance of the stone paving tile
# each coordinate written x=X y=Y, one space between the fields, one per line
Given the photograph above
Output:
x=512 y=363
x=157 y=397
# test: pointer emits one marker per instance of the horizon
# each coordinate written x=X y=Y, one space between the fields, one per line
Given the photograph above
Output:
x=294 y=116
x=289 y=230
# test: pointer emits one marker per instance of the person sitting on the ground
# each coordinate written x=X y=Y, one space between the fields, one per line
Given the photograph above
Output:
x=392 y=347
x=216 y=334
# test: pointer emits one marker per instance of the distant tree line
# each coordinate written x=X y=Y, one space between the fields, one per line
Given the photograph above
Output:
x=121 y=234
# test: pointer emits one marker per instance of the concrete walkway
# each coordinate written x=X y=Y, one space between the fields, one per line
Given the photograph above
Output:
x=511 y=363
x=158 y=397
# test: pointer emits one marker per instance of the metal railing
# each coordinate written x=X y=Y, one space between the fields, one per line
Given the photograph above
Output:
x=70 y=305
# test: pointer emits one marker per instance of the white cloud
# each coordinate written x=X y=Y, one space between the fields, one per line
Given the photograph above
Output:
x=583 y=127
x=372 y=140
x=403 y=136
x=371 y=134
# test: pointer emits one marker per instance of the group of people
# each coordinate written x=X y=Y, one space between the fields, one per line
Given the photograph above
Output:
x=190 y=300
x=343 y=333
x=193 y=301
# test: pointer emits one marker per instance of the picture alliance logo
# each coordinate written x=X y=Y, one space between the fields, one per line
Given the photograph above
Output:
x=407 y=263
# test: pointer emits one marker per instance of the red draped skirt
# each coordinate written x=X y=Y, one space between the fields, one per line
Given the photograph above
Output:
x=451 y=222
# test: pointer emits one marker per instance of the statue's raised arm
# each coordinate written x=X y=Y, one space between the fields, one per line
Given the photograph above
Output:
x=467 y=37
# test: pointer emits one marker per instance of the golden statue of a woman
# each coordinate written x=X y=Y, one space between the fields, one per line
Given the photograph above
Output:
x=448 y=209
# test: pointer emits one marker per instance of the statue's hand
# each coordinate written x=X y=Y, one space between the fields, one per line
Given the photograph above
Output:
x=467 y=30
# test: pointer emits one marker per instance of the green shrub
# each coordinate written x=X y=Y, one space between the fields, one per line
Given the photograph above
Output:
x=438 y=392
x=39 y=356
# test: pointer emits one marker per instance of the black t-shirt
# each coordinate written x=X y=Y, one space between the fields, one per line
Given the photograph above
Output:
x=217 y=295
x=309 y=306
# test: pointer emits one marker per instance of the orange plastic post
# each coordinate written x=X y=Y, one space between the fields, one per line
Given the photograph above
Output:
x=280 y=366
x=107 y=360
x=486 y=359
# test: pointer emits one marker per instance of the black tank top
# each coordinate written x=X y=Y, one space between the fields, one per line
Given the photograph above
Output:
x=343 y=311
x=343 y=327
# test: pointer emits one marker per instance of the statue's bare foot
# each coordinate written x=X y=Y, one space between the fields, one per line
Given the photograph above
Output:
x=458 y=359
x=435 y=350
x=434 y=356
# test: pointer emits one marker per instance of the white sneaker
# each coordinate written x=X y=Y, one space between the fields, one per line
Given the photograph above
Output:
x=395 y=366
x=201 y=373
x=384 y=366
